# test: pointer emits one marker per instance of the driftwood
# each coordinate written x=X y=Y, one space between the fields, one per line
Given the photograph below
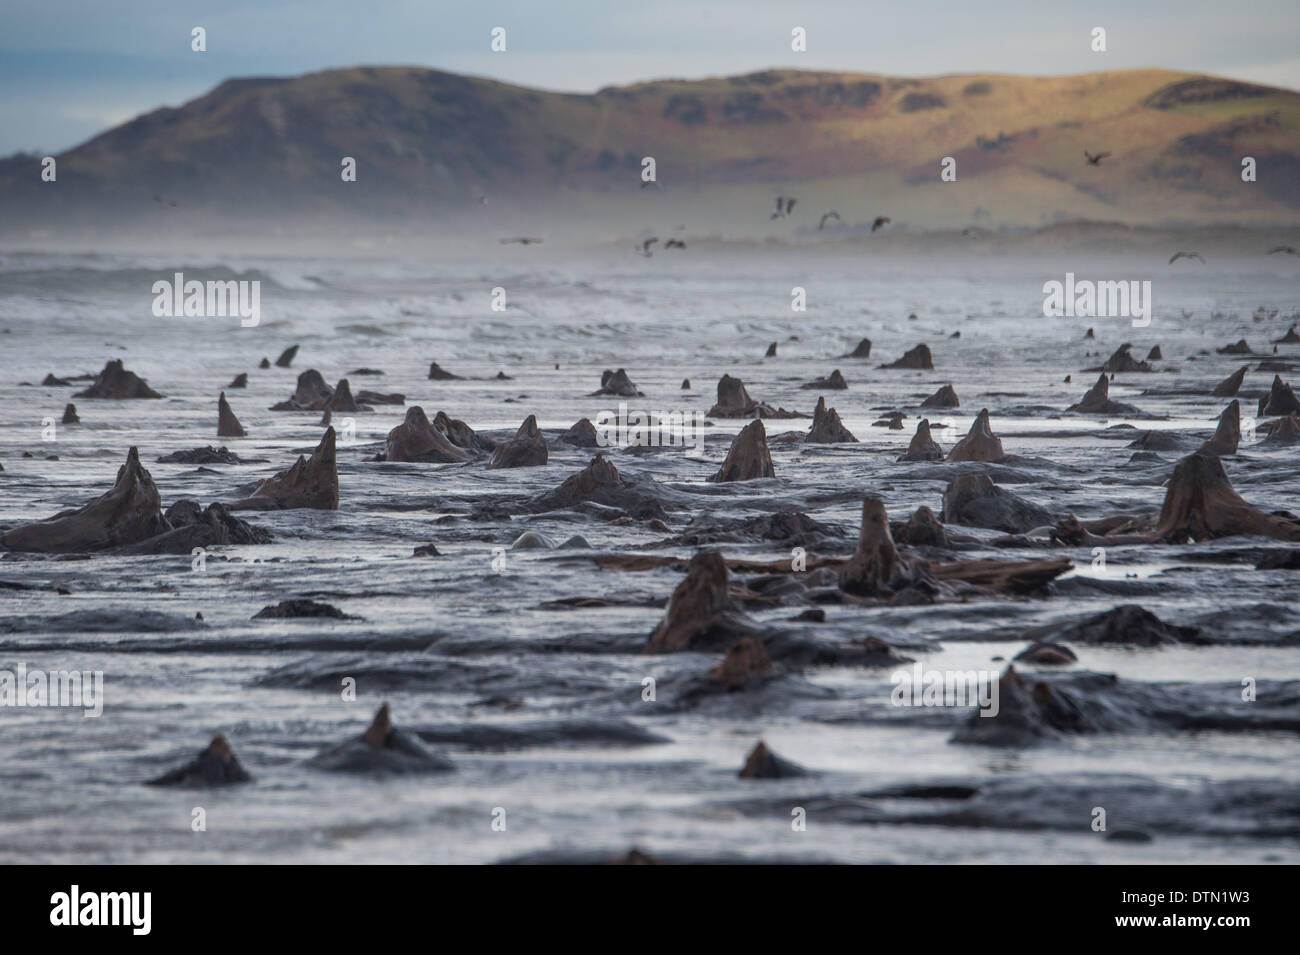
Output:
x=827 y=428
x=1283 y=431
x=1229 y=387
x=877 y=569
x=437 y=373
x=917 y=358
x=980 y=443
x=616 y=383
x=117 y=383
x=216 y=765
x=1280 y=400
x=600 y=483
x=525 y=450
x=311 y=394
x=945 y=397
x=342 y=399
x=834 y=382
x=587 y=484
x=581 y=435
x=380 y=397
x=923 y=446
x=415 y=439
x=1121 y=360
x=311 y=482
x=749 y=458
x=1097 y=401
x=380 y=728
x=1012 y=576
x=1043 y=653
x=1073 y=532
x=1201 y=504
x=1227 y=436
x=194 y=526
x=975 y=501
x=700 y=610
x=923 y=530
x=744 y=659
x=735 y=402
x=131 y=511
x=228 y=425
x=762 y=763
x=460 y=434
x=1127 y=625
x=382 y=748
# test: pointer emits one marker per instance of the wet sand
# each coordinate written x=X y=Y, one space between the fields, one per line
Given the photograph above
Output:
x=529 y=677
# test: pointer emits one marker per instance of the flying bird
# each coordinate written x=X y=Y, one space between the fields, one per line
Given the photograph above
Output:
x=674 y=244
x=970 y=232
x=521 y=239
x=1288 y=249
x=1186 y=255
x=1094 y=160
x=645 y=247
x=783 y=207
x=829 y=215
x=880 y=223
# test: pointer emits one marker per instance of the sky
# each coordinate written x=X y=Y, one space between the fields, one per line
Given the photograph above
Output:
x=70 y=69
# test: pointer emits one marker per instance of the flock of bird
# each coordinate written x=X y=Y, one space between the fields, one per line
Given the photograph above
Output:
x=644 y=248
x=1285 y=249
x=785 y=206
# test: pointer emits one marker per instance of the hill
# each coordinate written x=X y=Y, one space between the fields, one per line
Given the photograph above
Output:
x=430 y=144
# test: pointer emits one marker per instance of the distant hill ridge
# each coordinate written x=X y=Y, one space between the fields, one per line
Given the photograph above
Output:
x=428 y=142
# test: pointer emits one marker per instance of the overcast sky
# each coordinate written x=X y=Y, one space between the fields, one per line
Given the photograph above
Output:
x=71 y=68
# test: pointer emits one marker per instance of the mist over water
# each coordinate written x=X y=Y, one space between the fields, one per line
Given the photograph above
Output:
x=540 y=705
